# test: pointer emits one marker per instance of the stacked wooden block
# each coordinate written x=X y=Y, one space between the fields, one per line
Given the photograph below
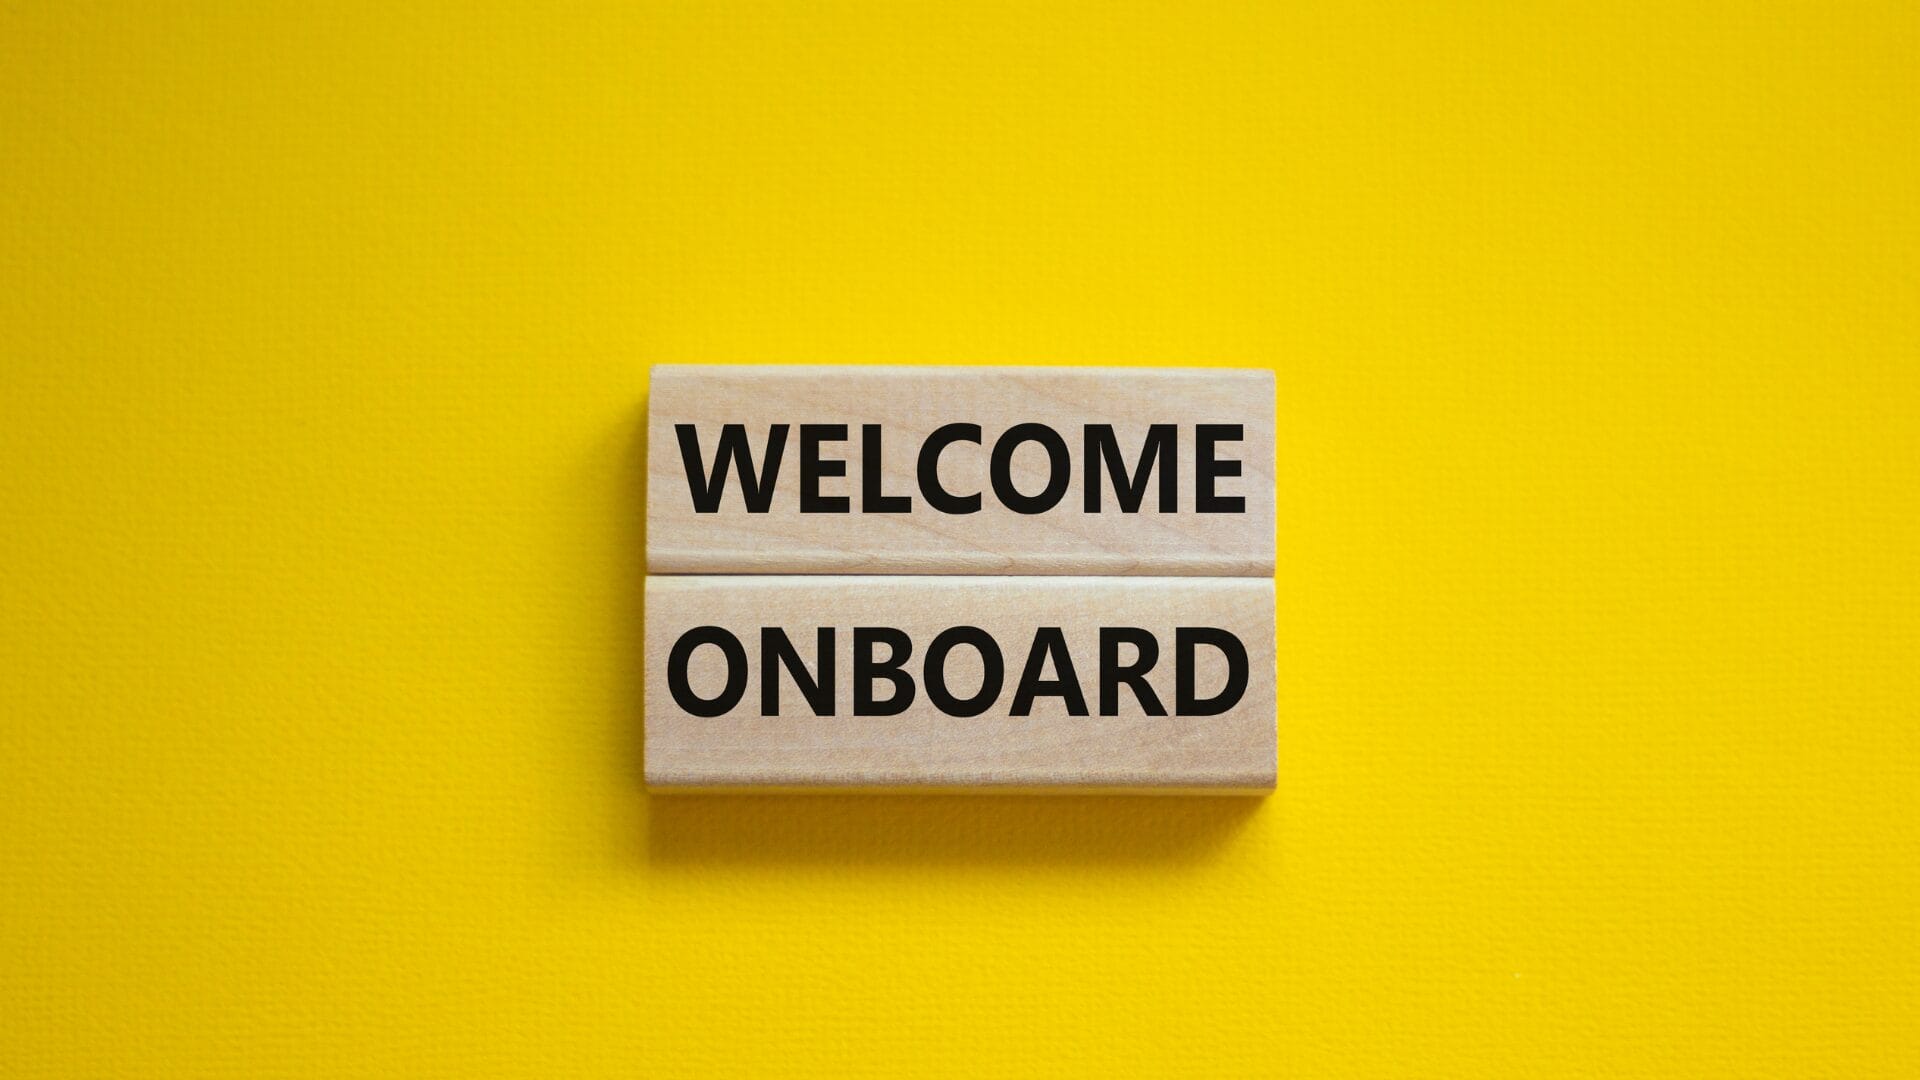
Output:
x=1031 y=579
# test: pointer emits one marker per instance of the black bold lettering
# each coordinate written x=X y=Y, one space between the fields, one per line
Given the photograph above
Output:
x=872 y=500
x=682 y=652
x=755 y=490
x=812 y=469
x=866 y=669
x=1058 y=466
x=777 y=652
x=1184 y=640
x=1112 y=674
x=1206 y=470
x=992 y=677
x=1049 y=641
x=930 y=489
x=1160 y=450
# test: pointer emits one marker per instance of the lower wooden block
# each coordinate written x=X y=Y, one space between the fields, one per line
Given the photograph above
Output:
x=962 y=683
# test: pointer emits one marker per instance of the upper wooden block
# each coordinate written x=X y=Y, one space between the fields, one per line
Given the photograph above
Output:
x=963 y=470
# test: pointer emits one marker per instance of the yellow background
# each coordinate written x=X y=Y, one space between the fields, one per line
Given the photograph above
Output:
x=1597 y=337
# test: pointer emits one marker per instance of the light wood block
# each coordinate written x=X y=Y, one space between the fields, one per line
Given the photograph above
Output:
x=1211 y=740
x=874 y=515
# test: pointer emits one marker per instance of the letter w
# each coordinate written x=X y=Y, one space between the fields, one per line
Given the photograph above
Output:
x=756 y=490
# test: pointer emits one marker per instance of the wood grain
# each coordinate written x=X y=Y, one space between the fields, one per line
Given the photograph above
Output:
x=925 y=747
x=908 y=404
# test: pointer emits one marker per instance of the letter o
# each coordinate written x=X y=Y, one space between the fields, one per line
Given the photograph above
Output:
x=1059 y=465
x=934 y=674
x=677 y=660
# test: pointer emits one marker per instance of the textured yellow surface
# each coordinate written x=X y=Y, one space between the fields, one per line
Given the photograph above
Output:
x=325 y=339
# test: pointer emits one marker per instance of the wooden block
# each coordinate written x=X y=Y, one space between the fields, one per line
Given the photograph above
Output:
x=726 y=710
x=891 y=470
